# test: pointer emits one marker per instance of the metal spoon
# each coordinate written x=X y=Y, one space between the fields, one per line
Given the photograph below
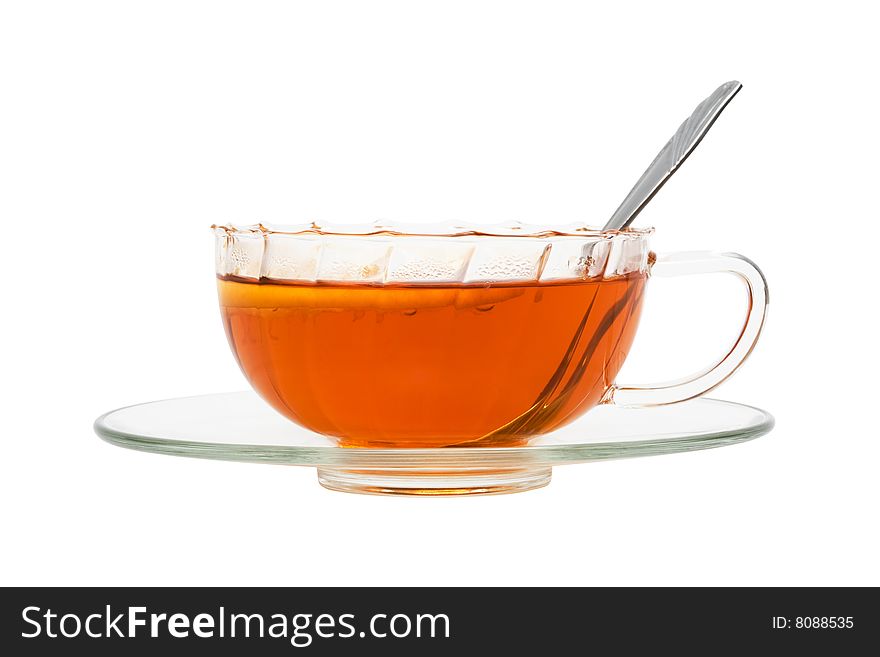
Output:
x=683 y=142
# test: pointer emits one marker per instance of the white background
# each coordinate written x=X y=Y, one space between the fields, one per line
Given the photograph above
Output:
x=126 y=129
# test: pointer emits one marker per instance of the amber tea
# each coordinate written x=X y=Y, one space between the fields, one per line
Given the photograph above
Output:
x=432 y=365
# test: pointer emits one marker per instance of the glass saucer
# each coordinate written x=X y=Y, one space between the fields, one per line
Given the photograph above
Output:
x=239 y=426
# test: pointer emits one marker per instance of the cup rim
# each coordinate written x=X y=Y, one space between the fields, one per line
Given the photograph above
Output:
x=446 y=230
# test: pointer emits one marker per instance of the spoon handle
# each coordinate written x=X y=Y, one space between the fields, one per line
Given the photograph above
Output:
x=676 y=151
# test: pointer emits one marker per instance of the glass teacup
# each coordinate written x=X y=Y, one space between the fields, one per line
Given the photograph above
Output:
x=433 y=337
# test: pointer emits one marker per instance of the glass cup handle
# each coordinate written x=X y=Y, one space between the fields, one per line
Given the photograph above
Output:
x=683 y=264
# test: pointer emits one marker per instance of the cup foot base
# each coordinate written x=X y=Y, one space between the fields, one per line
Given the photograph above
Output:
x=445 y=482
